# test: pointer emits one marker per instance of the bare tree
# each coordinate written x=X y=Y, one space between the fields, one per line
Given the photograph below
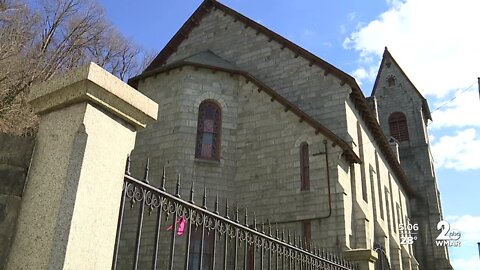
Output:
x=49 y=37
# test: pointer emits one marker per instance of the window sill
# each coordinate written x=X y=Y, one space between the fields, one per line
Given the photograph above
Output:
x=207 y=161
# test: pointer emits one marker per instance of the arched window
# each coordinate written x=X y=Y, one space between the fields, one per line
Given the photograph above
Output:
x=208 y=130
x=398 y=126
x=304 y=166
x=391 y=81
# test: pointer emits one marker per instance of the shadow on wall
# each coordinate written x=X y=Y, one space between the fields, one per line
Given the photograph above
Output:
x=15 y=155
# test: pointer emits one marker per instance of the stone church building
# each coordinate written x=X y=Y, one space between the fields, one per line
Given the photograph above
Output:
x=262 y=122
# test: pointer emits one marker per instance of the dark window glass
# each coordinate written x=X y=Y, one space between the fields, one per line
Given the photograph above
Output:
x=198 y=251
x=304 y=166
x=391 y=81
x=307 y=231
x=208 y=131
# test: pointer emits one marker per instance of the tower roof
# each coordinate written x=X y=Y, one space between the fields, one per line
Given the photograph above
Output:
x=387 y=56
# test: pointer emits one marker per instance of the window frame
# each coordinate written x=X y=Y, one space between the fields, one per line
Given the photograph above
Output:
x=398 y=126
x=304 y=167
x=216 y=130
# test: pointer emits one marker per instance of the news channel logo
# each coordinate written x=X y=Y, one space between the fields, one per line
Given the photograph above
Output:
x=448 y=237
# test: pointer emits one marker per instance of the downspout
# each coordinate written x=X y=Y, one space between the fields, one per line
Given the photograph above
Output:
x=328 y=182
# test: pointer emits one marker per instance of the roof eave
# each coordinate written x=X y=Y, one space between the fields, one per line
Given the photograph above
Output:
x=319 y=128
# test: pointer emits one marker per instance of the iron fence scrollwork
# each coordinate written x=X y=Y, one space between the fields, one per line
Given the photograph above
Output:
x=193 y=237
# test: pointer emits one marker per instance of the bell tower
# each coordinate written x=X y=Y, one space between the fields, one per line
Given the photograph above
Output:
x=403 y=114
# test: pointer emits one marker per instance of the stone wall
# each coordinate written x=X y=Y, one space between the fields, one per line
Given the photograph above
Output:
x=400 y=95
x=386 y=205
x=307 y=86
x=259 y=167
x=15 y=154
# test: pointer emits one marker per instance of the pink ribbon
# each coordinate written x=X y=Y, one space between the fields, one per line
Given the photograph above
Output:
x=181 y=226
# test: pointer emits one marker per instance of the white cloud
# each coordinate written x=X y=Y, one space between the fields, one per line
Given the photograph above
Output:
x=468 y=226
x=394 y=2
x=472 y=263
x=458 y=152
x=361 y=74
x=352 y=16
x=435 y=42
x=308 y=32
x=327 y=44
x=463 y=111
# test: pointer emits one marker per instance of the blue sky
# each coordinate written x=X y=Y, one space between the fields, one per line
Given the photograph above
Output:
x=433 y=41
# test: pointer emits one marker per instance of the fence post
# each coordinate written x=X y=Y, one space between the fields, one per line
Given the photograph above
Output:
x=69 y=212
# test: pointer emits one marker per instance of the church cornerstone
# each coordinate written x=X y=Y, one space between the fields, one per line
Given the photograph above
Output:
x=68 y=217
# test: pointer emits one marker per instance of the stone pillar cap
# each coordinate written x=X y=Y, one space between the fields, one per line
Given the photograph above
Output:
x=93 y=84
x=367 y=255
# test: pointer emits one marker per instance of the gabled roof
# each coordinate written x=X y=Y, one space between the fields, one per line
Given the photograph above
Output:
x=209 y=60
x=356 y=95
x=388 y=56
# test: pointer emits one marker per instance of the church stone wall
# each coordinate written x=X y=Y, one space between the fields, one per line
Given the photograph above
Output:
x=15 y=154
x=321 y=96
x=170 y=141
x=260 y=153
x=265 y=141
x=384 y=195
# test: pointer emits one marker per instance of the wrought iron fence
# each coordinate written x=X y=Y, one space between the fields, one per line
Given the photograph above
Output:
x=188 y=236
x=382 y=261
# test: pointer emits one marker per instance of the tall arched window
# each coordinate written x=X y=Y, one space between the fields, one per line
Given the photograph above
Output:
x=304 y=166
x=208 y=130
x=398 y=126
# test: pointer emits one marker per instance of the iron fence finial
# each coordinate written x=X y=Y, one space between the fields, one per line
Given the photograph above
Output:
x=216 y=205
x=192 y=191
x=226 y=209
x=177 y=192
x=147 y=168
x=246 y=217
x=204 y=203
x=269 y=228
x=236 y=213
x=162 y=185
x=263 y=226
x=127 y=165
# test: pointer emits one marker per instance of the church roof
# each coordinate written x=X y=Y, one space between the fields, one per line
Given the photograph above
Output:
x=209 y=60
x=388 y=56
x=356 y=95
